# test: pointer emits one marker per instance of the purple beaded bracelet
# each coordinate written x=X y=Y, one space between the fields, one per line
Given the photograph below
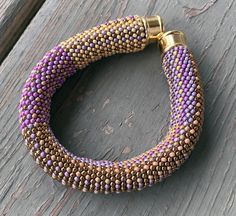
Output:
x=125 y=35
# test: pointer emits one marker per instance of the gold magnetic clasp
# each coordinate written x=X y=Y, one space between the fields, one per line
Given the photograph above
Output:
x=170 y=39
x=155 y=33
x=154 y=27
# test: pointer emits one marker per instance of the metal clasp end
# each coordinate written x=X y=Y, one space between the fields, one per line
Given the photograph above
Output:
x=154 y=27
x=156 y=33
x=170 y=39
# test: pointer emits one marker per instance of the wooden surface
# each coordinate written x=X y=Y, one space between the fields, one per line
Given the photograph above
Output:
x=14 y=17
x=117 y=108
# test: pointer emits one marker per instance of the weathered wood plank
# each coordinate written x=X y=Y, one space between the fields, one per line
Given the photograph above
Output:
x=117 y=108
x=15 y=15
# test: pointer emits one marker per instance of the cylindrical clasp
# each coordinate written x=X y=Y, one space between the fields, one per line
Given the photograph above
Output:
x=170 y=39
x=154 y=27
x=155 y=33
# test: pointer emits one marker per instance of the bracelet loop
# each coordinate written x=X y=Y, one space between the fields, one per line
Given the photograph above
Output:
x=125 y=35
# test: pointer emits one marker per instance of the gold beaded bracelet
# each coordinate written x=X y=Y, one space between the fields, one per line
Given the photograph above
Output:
x=125 y=35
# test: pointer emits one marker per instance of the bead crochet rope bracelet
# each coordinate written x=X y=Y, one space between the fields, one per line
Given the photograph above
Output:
x=125 y=35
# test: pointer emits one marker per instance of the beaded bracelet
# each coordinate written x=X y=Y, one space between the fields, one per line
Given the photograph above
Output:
x=125 y=35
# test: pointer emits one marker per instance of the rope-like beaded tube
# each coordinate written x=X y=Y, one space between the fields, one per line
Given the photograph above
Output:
x=124 y=35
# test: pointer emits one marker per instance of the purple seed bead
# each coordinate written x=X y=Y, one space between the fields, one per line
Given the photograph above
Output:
x=42 y=154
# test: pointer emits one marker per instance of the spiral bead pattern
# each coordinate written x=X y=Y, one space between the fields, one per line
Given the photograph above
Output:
x=119 y=36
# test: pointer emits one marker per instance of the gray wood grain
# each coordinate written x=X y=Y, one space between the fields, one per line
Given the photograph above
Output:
x=117 y=108
x=14 y=17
